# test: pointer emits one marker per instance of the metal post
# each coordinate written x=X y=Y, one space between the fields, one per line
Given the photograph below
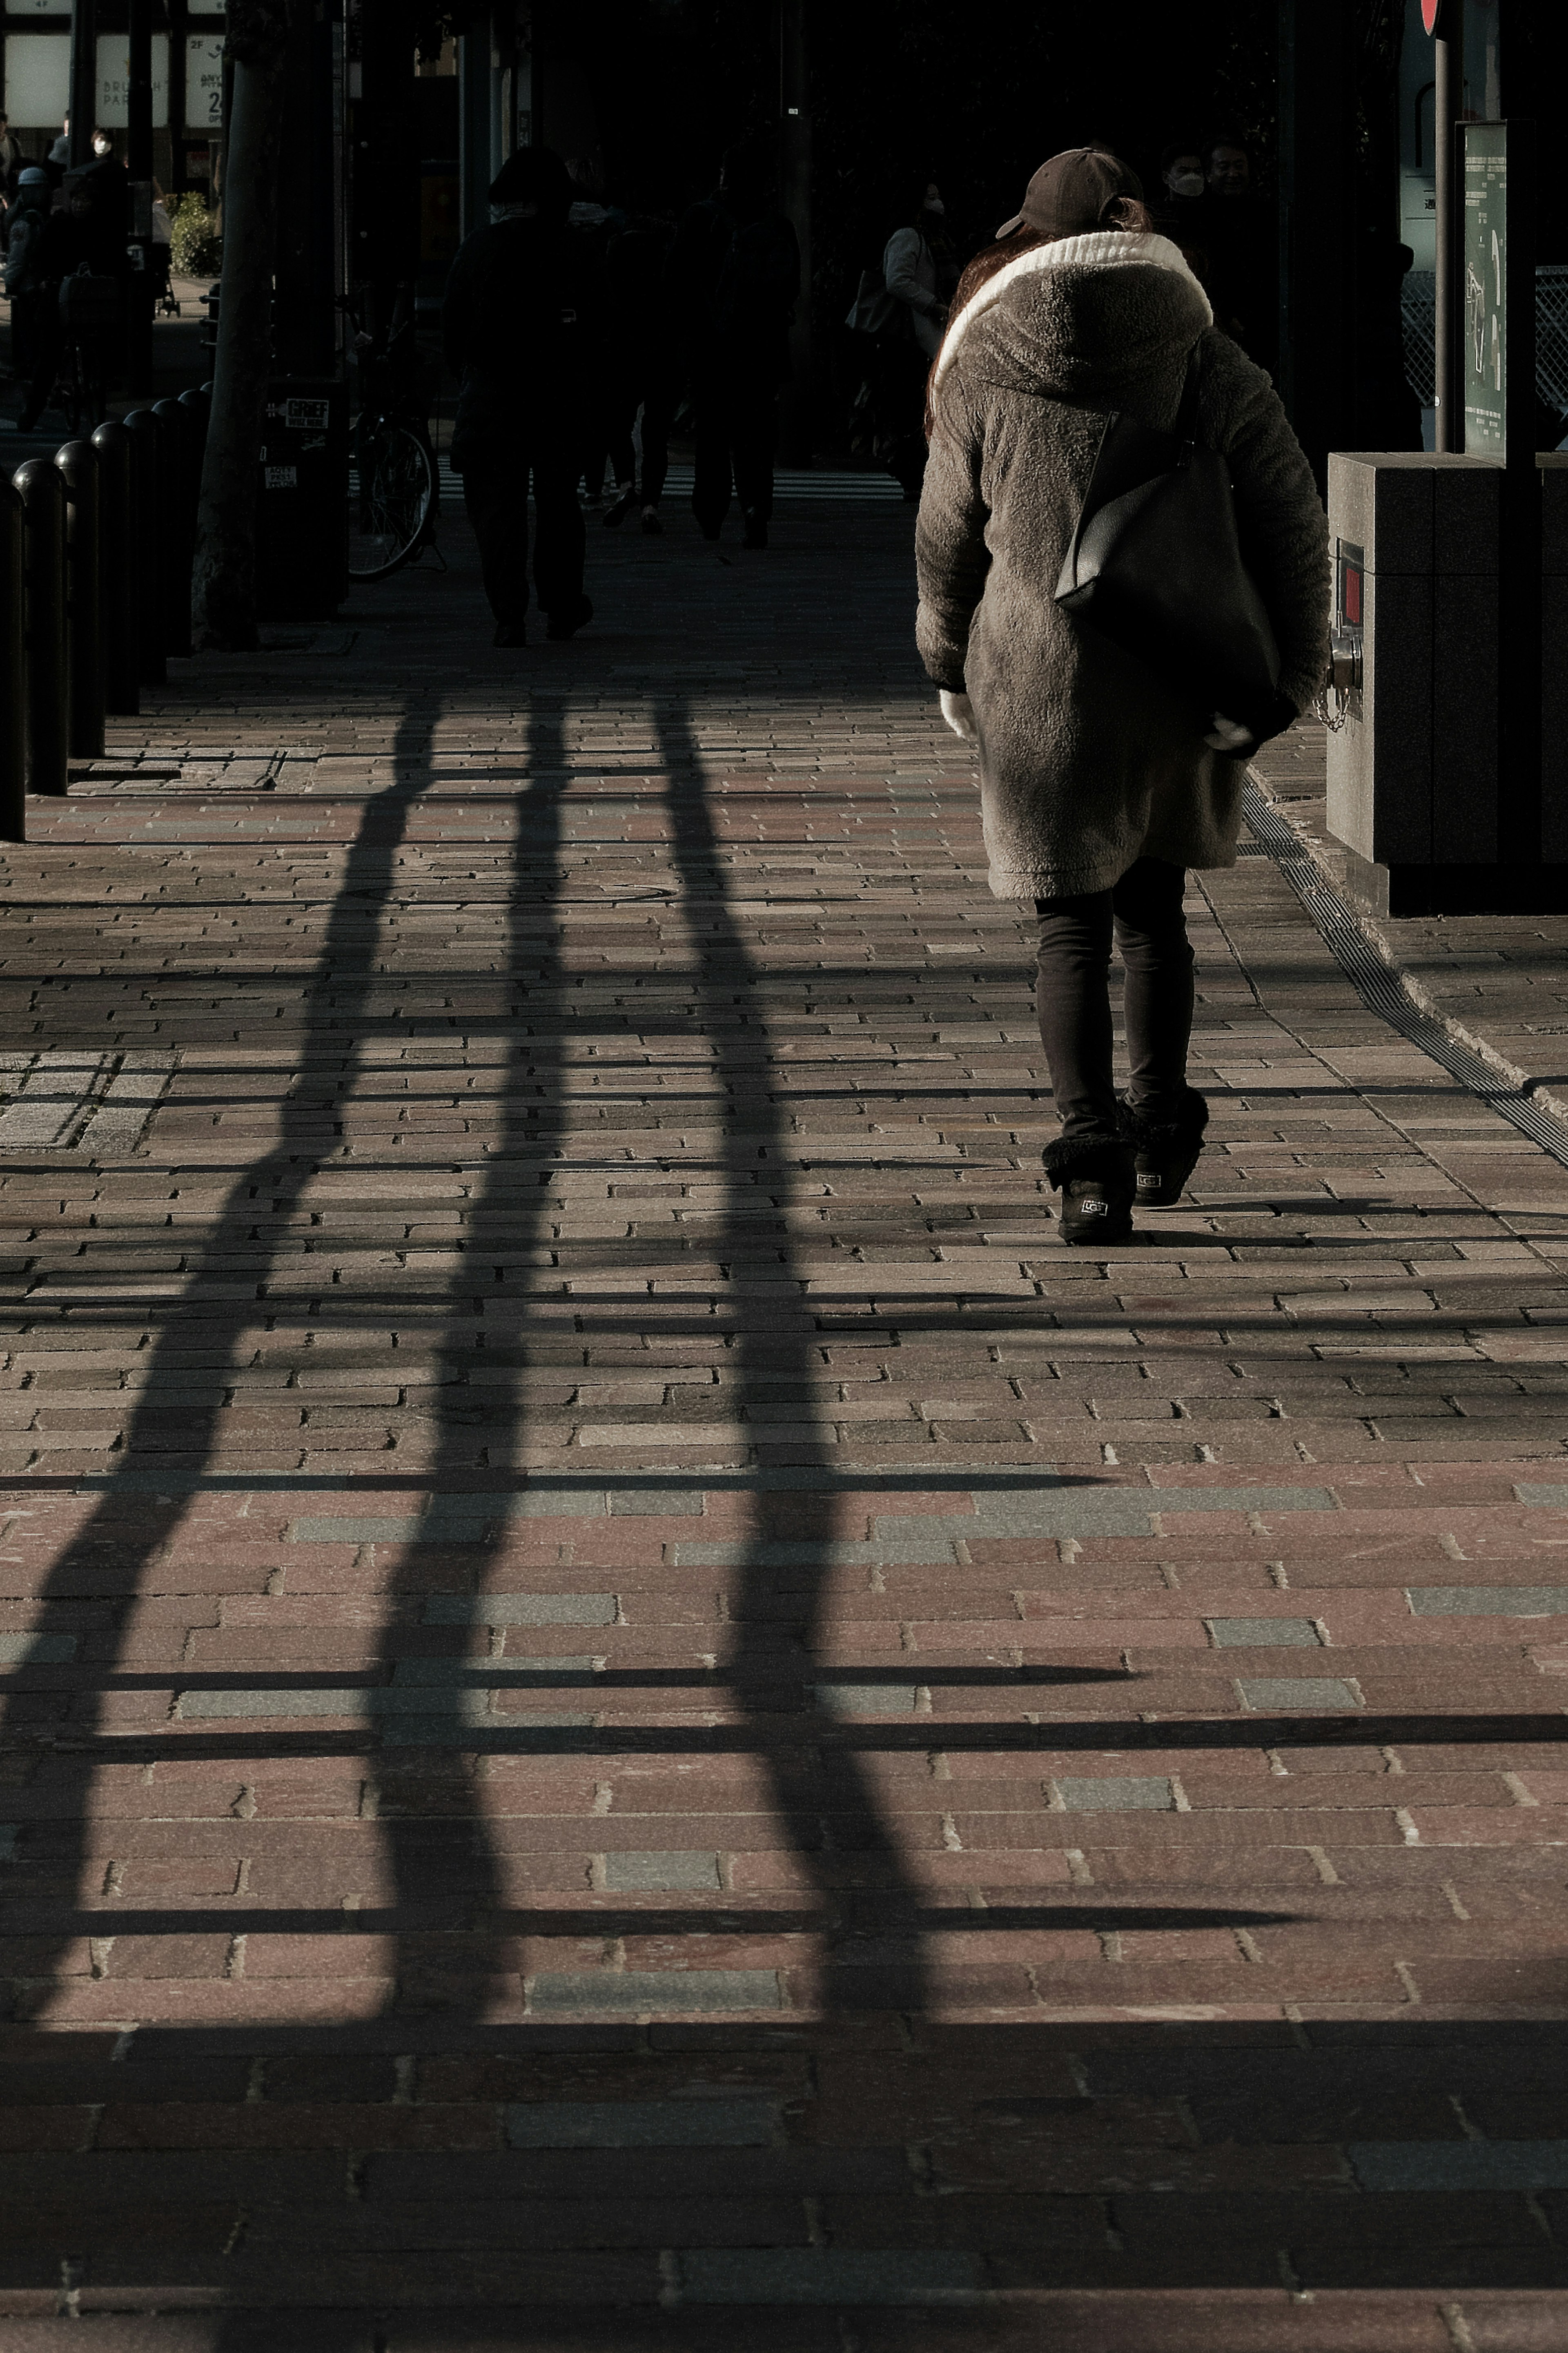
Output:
x=1519 y=566
x=148 y=494
x=77 y=462
x=117 y=583
x=181 y=492
x=794 y=175
x=12 y=670
x=304 y=314
x=1318 y=245
x=475 y=168
x=139 y=157
x=83 y=82
x=42 y=493
x=1448 y=108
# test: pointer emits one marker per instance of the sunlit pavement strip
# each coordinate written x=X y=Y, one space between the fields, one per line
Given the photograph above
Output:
x=627 y=1696
x=87 y=1104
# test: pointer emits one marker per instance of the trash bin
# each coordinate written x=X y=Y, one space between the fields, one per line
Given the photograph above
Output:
x=303 y=504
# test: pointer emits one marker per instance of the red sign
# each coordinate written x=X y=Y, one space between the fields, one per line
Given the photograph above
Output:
x=1430 y=12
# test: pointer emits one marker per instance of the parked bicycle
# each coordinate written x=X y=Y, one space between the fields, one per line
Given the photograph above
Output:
x=393 y=479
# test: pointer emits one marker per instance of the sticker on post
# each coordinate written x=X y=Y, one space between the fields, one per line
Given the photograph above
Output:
x=306 y=416
x=283 y=478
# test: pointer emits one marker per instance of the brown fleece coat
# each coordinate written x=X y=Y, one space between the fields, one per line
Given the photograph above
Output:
x=1086 y=763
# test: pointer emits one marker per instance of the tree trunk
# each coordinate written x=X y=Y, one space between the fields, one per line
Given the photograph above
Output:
x=223 y=588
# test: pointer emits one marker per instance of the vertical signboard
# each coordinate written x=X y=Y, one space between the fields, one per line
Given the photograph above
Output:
x=1496 y=171
x=203 y=82
x=1486 y=285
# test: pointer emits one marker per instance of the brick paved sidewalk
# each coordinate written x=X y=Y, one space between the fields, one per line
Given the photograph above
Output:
x=1499 y=984
x=638 y=1717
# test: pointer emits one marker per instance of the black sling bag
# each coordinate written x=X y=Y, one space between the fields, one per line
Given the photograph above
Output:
x=1156 y=564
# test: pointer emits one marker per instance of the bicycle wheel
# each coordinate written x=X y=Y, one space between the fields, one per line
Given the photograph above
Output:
x=392 y=488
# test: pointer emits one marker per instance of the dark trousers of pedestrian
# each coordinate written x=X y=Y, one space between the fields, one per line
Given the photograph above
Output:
x=495 y=492
x=896 y=374
x=1142 y=913
x=735 y=426
x=649 y=393
x=43 y=337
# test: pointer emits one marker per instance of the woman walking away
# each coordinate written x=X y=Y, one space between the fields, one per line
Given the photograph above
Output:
x=1097 y=785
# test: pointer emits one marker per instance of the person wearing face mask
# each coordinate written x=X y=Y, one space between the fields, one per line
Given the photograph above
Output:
x=1181 y=178
x=105 y=184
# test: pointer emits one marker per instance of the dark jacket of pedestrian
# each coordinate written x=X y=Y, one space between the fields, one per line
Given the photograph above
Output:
x=735 y=280
x=102 y=203
x=517 y=320
x=1086 y=763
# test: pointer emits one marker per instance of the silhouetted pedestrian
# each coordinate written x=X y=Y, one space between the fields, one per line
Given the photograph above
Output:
x=1235 y=230
x=918 y=274
x=734 y=279
x=26 y=290
x=10 y=160
x=59 y=249
x=638 y=368
x=515 y=326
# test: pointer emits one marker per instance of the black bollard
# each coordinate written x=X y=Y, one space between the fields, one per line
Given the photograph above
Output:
x=117 y=568
x=147 y=529
x=184 y=478
x=197 y=404
x=77 y=462
x=42 y=493
x=12 y=670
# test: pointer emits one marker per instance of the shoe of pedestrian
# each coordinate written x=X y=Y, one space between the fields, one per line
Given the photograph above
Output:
x=755 y=533
x=566 y=623
x=1164 y=1151
x=617 y=512
x=510 y=633
x=652 y=527
x=1094 y=1177
x=709 y=531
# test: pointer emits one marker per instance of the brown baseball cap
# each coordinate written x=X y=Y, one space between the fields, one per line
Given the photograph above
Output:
x=1069 y=194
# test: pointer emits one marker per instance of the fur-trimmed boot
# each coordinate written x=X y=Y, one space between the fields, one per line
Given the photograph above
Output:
x=1165 y=1151
x=1095 y=1179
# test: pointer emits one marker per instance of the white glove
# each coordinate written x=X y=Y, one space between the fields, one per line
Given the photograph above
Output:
x=959 y=713
x=1226 y=735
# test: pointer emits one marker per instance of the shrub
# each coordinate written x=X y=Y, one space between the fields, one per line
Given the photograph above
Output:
x=195 y=248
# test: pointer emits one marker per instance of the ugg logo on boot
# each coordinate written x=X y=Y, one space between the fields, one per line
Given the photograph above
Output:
x=1093 y=1208
x=1148 y=1180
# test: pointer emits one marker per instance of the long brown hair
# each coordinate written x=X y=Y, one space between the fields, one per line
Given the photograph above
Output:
x=1125 y=213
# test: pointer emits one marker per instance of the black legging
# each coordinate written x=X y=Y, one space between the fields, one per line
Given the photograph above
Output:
x=1144 y=910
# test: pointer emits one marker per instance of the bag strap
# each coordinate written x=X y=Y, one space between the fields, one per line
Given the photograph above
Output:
x=1185 y=427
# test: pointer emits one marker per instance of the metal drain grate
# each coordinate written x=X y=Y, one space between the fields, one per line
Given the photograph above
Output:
x=1379 y=988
